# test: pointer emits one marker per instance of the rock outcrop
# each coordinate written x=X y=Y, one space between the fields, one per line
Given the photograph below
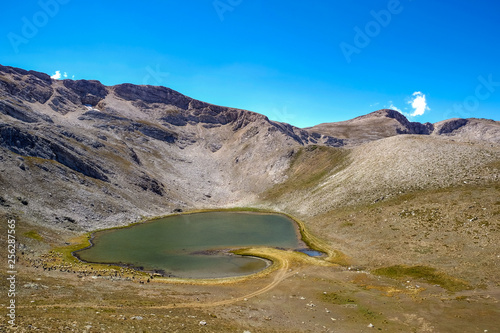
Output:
x=24 y=143
x=449 y=126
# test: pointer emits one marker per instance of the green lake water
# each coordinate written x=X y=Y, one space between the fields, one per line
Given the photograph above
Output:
x=192 y=245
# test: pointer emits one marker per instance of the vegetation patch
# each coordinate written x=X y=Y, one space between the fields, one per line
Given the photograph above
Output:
x=33 y=234
x=308 y=167
x=335 y=298
x=424 y=273
x=339 y=299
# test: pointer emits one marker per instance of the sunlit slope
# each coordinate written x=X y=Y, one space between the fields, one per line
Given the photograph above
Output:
x=322 y=179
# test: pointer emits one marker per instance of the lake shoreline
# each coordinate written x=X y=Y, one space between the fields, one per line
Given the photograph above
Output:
x=306 y=241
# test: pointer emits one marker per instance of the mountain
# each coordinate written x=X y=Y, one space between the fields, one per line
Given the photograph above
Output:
x=134 y=150
x=386 y=123
x=418 y=203
x=79 y=155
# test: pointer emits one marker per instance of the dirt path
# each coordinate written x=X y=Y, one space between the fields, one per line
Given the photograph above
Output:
x=280 y=276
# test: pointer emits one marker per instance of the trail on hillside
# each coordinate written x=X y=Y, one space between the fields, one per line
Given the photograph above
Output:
x=280 y=276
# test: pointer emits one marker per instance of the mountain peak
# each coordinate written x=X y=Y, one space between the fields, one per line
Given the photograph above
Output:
x=373 y=126
x=386 y=112
x=389 y=113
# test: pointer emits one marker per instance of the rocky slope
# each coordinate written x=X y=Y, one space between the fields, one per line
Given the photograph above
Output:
x=385 y=169
x=79 y=155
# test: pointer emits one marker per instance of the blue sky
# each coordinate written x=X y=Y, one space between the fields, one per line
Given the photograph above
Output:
x=295 y=61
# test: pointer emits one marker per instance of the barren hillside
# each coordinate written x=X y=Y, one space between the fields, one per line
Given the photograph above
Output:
x=385 y=169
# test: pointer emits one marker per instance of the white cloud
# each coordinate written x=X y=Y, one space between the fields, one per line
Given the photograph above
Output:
x=393 y=107
x=57 y=75
x=419 y=104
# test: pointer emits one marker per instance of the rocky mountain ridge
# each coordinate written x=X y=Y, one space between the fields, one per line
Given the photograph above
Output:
x=134 y=150
x=79 y=155
x=170 y=107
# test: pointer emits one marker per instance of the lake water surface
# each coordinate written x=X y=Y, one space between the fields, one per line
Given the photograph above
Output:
x=193 y=245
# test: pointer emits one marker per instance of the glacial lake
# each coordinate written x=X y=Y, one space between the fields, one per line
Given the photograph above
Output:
x=194 y=245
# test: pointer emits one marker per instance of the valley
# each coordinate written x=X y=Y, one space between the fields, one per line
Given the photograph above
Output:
x=408 y=213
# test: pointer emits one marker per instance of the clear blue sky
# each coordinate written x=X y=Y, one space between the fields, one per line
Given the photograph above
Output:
x=302 y=62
